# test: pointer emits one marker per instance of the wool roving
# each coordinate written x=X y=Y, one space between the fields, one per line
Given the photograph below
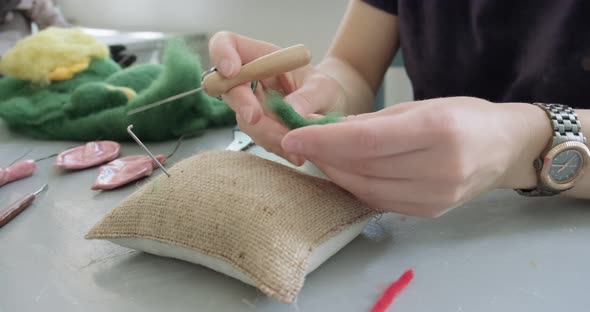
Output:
x=93 y=104
x=53 y=52
x=275 y=101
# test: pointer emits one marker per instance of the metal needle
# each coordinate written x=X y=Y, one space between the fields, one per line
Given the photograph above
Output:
x=146 y=149
x=172 y=98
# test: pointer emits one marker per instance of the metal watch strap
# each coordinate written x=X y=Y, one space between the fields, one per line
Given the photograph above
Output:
x=566 y=128
x=565 y=123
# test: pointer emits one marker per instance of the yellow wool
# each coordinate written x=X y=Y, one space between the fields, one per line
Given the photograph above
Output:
x=67 y=72
x=129 y=93
x=57 y=52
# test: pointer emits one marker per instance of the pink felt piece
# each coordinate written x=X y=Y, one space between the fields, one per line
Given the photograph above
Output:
x=125 y=170
x=89 y=155
x=19 y=170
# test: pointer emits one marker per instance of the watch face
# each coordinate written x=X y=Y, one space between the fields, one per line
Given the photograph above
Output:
x=566 y=166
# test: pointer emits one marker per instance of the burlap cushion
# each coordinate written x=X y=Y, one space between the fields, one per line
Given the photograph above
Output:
x=248 y=217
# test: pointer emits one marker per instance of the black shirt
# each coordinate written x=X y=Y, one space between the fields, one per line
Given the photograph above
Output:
x=498 y=50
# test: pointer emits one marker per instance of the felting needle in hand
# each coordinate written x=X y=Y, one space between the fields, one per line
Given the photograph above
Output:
x=270 y=65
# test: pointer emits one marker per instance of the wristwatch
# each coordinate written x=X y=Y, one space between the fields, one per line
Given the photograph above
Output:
x=566 y=158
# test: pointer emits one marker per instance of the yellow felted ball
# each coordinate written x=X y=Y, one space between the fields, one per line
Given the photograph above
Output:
x=52 y=54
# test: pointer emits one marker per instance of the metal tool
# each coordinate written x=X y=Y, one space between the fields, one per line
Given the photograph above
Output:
x=10 y=212
x=270 y=65
x=20 y=157
x=146 y=149
x=241 y=141
x=35 y=160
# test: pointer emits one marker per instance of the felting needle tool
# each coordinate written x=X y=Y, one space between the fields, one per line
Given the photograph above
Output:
x=270 y=65
x=147 y=150
x=10 y=212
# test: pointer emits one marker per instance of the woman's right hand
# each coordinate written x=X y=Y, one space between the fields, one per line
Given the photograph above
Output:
x=306 y=89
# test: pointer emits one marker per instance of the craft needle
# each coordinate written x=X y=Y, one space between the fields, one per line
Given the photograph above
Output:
x=164 y=101
x=270 y=65
x=20 y=157
x=146 y=149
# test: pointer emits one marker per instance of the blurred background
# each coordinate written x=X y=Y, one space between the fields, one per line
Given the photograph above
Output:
x=142 y=25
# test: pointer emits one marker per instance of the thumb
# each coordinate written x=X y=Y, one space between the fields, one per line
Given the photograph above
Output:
x=318 y=95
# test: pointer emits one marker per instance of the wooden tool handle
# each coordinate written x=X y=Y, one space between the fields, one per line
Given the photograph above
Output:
x=8 y=213
x=270 y=65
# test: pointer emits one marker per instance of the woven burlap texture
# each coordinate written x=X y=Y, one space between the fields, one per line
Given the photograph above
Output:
x=263 y=218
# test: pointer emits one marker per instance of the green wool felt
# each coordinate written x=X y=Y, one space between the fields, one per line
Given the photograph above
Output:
x=290 y=117
x=28 y=107
x=86 y=107
x=93 y=96
x=137 y=78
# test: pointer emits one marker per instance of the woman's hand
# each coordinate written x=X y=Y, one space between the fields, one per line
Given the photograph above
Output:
x=425 y=158
x=306 y=89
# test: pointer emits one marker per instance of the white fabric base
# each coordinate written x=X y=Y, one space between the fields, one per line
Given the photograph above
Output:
x=322 y=253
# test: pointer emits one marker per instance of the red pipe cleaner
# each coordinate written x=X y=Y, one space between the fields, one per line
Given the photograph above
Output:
x=392 y=291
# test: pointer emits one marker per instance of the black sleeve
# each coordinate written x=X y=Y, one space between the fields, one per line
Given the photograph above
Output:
x=389 y=6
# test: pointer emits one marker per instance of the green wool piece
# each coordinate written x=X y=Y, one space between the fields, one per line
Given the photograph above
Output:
x=137 y=78
x=90 y=106
x=291 y=118
x=94 y=96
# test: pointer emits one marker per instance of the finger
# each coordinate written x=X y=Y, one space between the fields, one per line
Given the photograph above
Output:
x=275 y=83
x=293 y=159
x=244 y=103
x=391 y=110
x=408 y=209
x=268 y=134
x=319 y=94
x=314 y=116
x=372 y=189
x=229 y=51
x=266 y=110
x=418 y=164
x=371 y=138
x=283 y=83
x=364 y=187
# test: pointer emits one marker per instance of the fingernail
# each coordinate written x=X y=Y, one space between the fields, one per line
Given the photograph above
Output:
x=298 y=161
x=226 y=67
x=293 y=145
x=293 y=159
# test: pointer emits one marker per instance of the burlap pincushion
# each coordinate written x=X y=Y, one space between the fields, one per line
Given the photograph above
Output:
x=261 y=222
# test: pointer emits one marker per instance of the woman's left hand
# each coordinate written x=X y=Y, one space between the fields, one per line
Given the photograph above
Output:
x=425 y=158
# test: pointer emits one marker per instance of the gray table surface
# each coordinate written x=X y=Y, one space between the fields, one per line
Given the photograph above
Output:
x=498 y=253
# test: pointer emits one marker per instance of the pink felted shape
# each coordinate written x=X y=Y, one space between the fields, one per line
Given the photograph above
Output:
x=125 y=170
x=19 y=170
x=89 y=155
